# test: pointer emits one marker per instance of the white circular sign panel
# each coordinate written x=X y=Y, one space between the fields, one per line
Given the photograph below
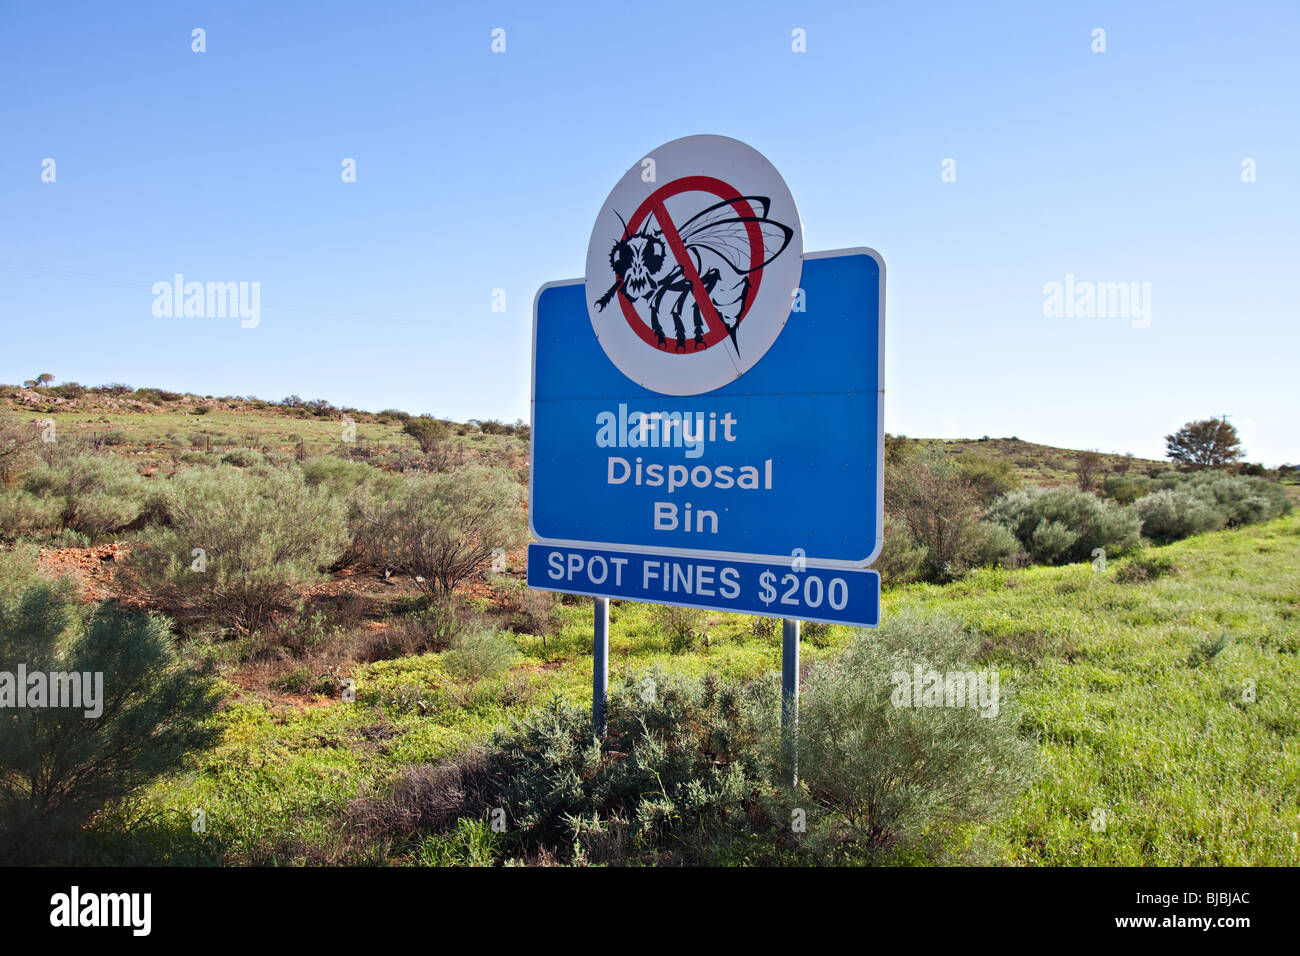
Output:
x=693 y=265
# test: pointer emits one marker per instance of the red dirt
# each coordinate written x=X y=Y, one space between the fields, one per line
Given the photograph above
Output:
x=95 y=567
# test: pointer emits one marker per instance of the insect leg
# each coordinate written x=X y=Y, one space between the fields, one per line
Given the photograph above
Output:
x=654 y=314
x=604 y=299
x=708 y=280
x=699 y=327
x=677 y=315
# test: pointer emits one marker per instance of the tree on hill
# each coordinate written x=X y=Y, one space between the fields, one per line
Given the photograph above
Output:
x=429 y=432
x=990 y=477
x=1086 y=467
x=43 y=379
x=897 y=448
x=1212 y=443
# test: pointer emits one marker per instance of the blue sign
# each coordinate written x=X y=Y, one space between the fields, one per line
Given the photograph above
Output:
x=784 y=461
x=832 y=595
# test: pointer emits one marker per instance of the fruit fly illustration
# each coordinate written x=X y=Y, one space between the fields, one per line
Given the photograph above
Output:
x=720 y=232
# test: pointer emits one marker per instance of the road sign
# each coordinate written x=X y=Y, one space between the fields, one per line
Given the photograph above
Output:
x=829 y=595
x=707 y=416
x=783 y=462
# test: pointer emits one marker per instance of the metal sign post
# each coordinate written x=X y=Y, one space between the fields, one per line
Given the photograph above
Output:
x=790 y=699
x=600 y=667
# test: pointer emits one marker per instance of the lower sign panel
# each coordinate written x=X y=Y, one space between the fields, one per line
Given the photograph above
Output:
x=828 y=595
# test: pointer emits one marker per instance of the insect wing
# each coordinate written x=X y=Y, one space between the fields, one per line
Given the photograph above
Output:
x=720 y=229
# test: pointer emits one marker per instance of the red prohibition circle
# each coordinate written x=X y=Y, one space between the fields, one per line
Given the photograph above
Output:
x=715 y=330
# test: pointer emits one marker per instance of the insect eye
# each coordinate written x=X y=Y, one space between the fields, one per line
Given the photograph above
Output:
x=654 y=255
x=620 y=257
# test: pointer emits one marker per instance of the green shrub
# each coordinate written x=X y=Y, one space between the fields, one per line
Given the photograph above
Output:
x=1206 y=501
x=1052 y=542
x=1243 y=499
x=96 y=494
x=23 y=513
x=428 y=432
x=533 y=612
x=429 y=629
x=199 y=458
x=988 y=476
x=19 y=570
x=479 y=652
x=471 y=843
x=67 y=538
x=994 y=545
x=898 y=448
x=1142 y=568
x=1062 y=525
x=680 y=754
x=261 y=537
x=58 y=766
x=891 y=774
x=69 y=390
x=940 y=511
x=364 y=492
x=1125 y=489
x=243 y=458
x=339 y=475
x=442 y=528
x=815 y=633
x=900 y=556
x=18 y=451
x=683 y=625
x=1172 y=515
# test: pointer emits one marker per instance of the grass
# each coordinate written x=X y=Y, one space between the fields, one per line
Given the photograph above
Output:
x=1136 y=694
x=1140 y=697
x=164 y=430
x=154 y=437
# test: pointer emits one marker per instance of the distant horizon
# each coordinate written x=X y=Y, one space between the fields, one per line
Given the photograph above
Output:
x=525 y=419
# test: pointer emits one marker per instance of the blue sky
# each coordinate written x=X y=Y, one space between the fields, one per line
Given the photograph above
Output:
x=478 y=171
